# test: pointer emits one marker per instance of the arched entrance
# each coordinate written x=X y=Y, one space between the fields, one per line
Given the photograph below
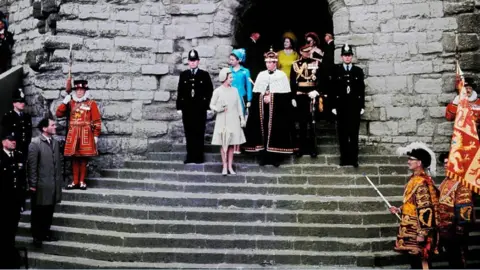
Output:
x=271 y=18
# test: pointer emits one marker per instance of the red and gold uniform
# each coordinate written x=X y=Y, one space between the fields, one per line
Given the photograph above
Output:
x=455 y=212
x=473 y=99
x=83 y=131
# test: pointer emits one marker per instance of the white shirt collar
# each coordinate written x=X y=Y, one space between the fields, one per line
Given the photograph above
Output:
x=82 y=99
x=349 y=66
x=2 y=31
x=49 y=139
x=7 y=152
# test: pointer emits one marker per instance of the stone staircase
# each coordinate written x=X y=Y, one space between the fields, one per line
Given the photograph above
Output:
x=159 y=213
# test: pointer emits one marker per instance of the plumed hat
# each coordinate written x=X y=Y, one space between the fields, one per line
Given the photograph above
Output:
x=271 y=55
x=290 y=35
x=422 y=152
x=80 y=84
x=222 y=76
x=240 y=54
x=347 y=49
x=314 y=36
x=18 y=96
x=193 y=55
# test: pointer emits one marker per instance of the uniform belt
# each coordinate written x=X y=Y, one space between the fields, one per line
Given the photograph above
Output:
x=301 y=93
x=303 y=84
x=79 y=123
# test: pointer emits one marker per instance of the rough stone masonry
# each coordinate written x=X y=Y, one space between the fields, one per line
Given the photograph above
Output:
x=132 y=51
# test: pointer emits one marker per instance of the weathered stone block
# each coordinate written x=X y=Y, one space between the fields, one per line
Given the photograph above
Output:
x=432 y=47
x=375 y=85
x=132 y=15
x=417 y=113
x=174 y=31
x=158 y=69
x=53 y=94
x=383 y=128
x=412 y=37
x=466 y=42
x=408 y=25
x=470 y=61
x=412 y=10
x=397 y=112
x=116 y=111
x=116 y=145
x=407 y=126
x=197 y=30
x=157 y=31
x=436 y=112
x=187 y=9
x=139 y=30
x=138 y=44
x=152 y=9
x=99 y=44
x=413 y=67
x=169 y=83
x=425 y=86
x=118 y=127
x=96 y=12
x=161 y=96
x=397 y=84
x=382 y=100
x=452 y=8
x=150 y=129
x=353 y=2
x=445 y=128
x=370 y=26
x=144 y=83
x=356 y=39
x=448 y=23
x=390 y=26
x=426 y=129
x=380 y=68
x=341 y=21
x=161 y=113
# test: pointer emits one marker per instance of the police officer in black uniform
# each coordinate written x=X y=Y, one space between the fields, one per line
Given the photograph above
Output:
x=348 y=105
x=304 y=82
x=195 y=90
x=12 y=198
x=18 y=122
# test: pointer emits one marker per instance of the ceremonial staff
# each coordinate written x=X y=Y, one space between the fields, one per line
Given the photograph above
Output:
x=68 y=89
x=379 y=193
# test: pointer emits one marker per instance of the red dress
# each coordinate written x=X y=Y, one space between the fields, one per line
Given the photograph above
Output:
x=85 y=124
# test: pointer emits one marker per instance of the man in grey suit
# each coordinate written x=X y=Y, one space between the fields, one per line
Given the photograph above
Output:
x=45 y=180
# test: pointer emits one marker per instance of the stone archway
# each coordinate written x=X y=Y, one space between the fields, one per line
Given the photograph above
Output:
x=299 y=18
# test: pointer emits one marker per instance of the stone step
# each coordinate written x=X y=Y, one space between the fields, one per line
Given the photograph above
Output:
x=317 y=169
x=226 y=214
x=131 y=225
x=211 y=241
x=38 y=260
x=185 y=199
x=216 y=256
x=328 y=149
x=256 y=177
x=254 y=158
x=274 y=189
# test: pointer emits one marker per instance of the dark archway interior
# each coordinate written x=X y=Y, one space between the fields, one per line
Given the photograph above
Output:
x=271 y=18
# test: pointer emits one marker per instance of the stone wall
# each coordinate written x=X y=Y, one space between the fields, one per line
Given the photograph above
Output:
x=132 y=51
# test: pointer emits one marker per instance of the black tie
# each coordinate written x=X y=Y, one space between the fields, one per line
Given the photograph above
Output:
x=193 y=72
x=10 y=154
x=270 y=71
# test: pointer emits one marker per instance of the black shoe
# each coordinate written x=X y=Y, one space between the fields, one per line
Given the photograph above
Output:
x=276 y=164
x=313 y=155
x=262 y=162
x=50 y=238
x=199 y=161
x=37 y=243
x=187 y=161
x=299 y=154
x=355 y=165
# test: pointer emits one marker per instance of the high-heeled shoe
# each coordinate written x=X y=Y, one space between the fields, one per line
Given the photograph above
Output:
x=224 y=172
x=231 y=171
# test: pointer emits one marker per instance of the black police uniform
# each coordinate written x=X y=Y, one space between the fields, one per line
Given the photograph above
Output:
x=195 y=90
x=12 y=199
x=305 y=77
x=348 y=100
x=19 y=123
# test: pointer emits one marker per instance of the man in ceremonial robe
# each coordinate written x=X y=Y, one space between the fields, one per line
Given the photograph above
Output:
x=304 y=82
x=417 y=234
x=348 y=104
x=195 y=90
x=12 y=198
x=473 y=99
x=456 y=216
x=270 y=123
x=83 y=131
x=18 y=122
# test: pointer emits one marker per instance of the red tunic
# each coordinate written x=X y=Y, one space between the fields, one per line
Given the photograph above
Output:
x=451 y=111
x=85 y=124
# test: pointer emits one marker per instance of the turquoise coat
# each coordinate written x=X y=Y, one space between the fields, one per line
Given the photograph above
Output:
x=241 y=81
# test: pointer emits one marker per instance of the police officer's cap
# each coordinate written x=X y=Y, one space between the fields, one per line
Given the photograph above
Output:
x=193 y=55
x=347 y=49
x=6 y=135
x=18 y=96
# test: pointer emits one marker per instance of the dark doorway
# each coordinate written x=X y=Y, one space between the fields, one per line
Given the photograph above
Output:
x=271 y=18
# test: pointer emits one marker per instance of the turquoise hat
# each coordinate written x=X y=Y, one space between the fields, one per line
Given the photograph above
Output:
x=240 y=54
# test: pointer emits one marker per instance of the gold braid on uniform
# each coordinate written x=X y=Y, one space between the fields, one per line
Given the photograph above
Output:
x=300 y=70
